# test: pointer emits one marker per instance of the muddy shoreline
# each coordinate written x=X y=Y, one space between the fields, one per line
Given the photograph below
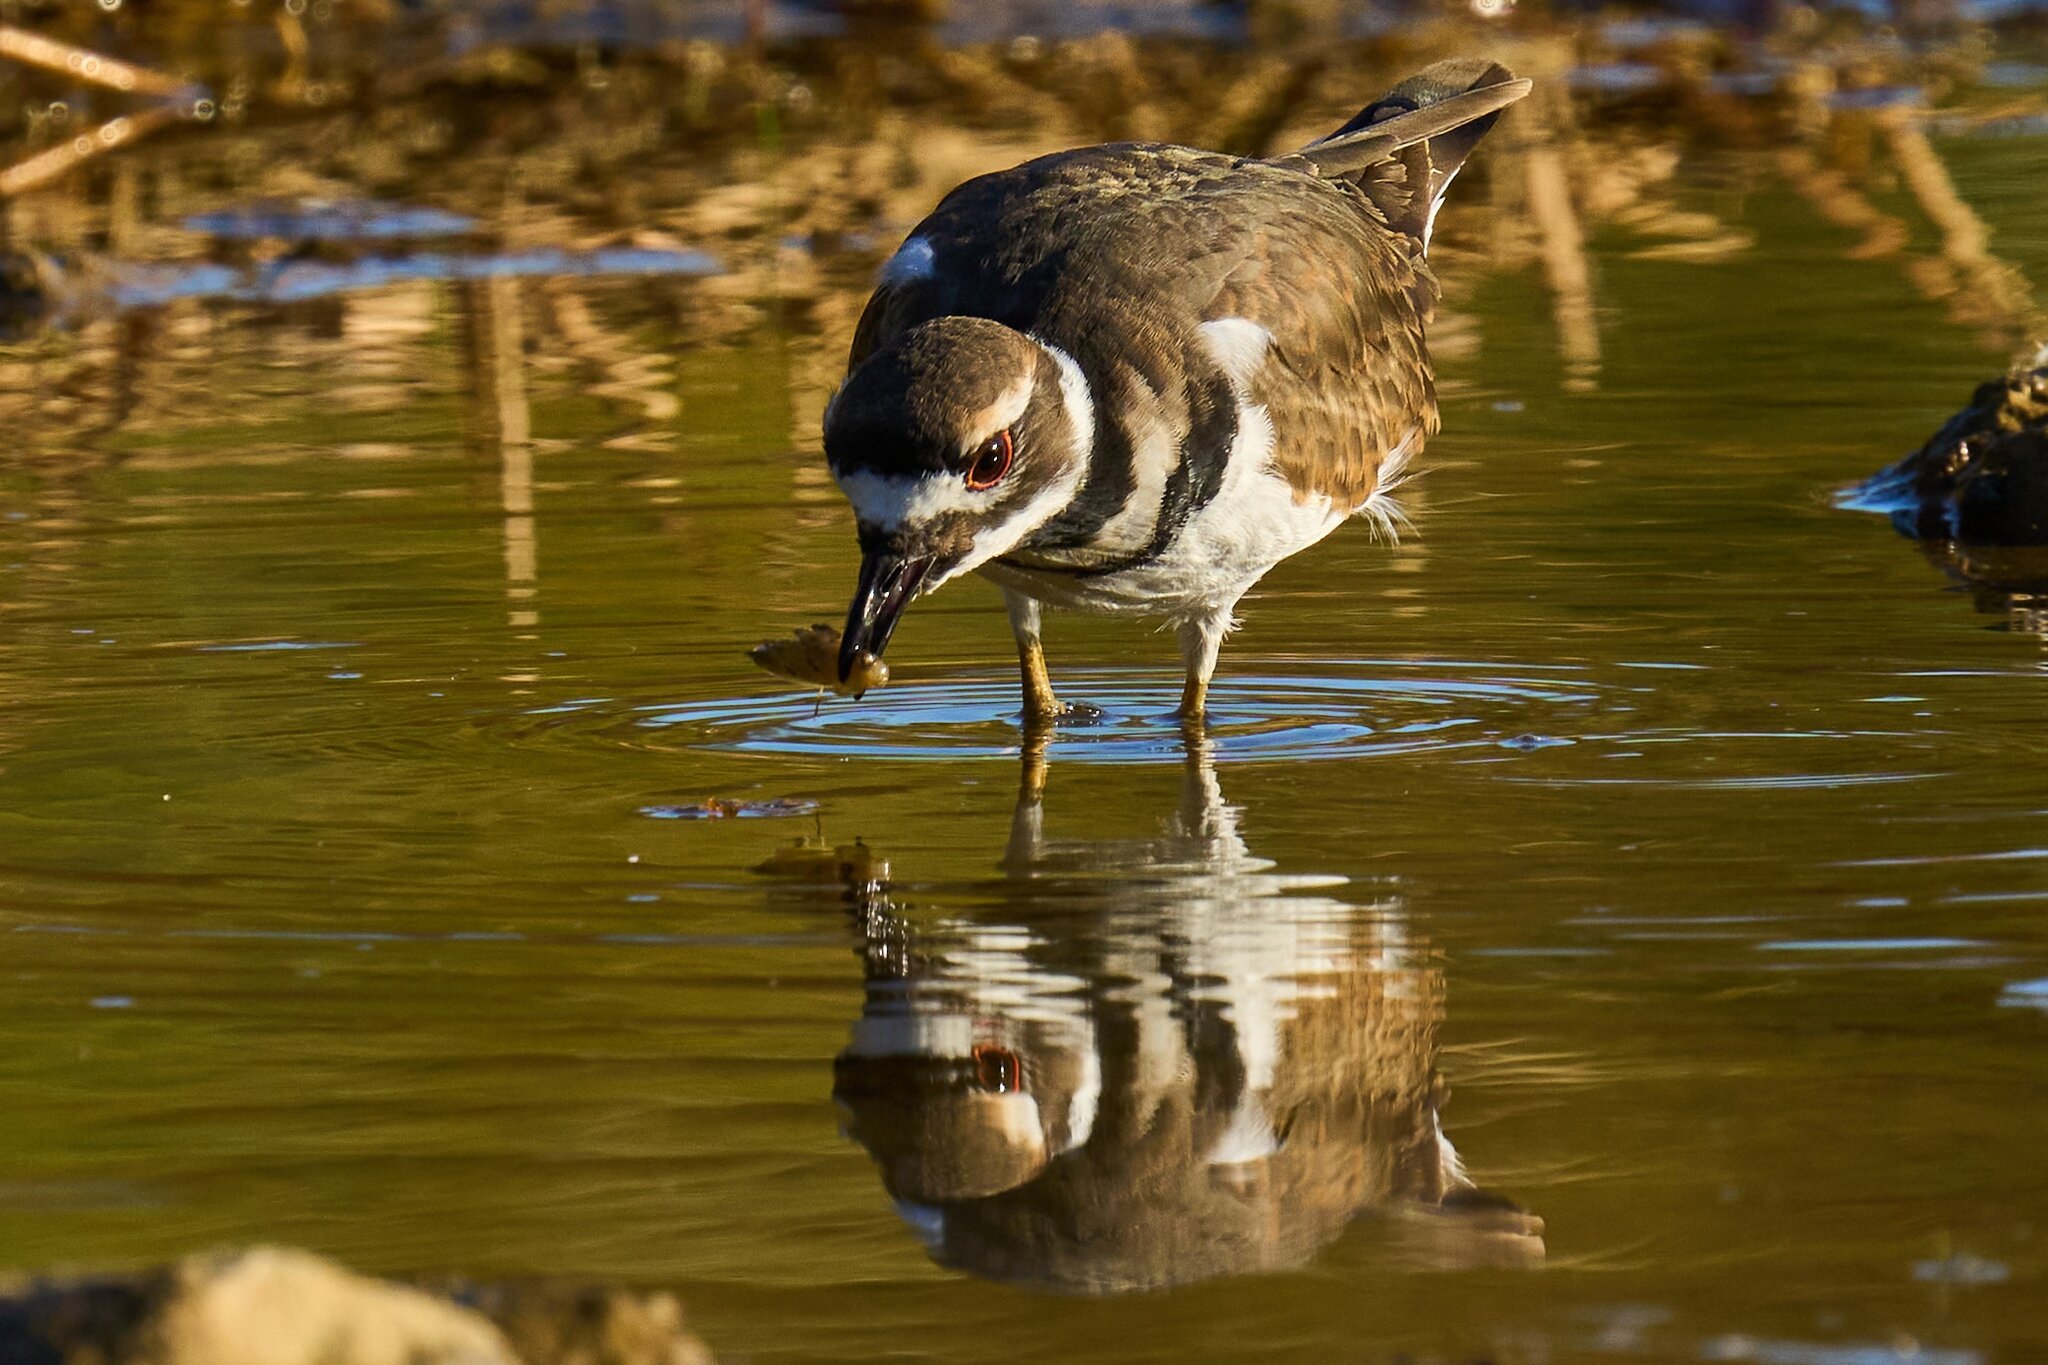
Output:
x=279 y=1306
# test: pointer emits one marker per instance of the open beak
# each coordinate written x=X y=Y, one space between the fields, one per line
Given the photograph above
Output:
x=887 y=583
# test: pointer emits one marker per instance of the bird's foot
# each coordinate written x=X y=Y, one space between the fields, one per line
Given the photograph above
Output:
x=1061 y=713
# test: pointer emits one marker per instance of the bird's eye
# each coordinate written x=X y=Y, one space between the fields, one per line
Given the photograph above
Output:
x=991 y=462
x=997 y=1070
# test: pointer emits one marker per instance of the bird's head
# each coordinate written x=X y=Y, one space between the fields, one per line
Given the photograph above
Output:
x=953 y=442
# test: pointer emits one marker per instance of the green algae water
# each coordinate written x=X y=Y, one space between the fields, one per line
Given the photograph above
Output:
x=1606 y=924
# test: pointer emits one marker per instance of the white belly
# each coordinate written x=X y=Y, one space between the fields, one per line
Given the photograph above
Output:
x=1253 y=523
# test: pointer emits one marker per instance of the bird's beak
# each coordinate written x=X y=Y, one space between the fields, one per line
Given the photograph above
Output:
x=887 y=583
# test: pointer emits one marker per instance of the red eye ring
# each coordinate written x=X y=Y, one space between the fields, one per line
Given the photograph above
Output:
x=997 y=1070
x=992 y=461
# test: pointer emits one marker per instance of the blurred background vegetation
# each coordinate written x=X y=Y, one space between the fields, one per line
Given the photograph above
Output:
x=791 y=143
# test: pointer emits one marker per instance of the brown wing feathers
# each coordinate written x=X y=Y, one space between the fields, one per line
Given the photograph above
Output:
x=1427 y=125
x=1353 y=382
x=1150 y=240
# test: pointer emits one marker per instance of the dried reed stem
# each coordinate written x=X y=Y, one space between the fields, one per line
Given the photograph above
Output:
x=83 y=64
x=47 y=165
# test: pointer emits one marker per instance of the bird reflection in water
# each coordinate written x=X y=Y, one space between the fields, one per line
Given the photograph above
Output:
x=2003 y=580
x=1157 y=1061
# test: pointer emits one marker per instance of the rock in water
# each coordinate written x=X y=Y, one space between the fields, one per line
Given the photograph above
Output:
x=1983 y=478
x=590 y=1325
x=274 y=1306
x=277 y=1306
x=263 y=1306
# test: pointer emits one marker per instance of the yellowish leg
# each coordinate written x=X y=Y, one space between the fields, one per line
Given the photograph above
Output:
x=1027 y=821
x=1039 y=702
x=1040 y=705
x=1033 y=769
x=1200 y=639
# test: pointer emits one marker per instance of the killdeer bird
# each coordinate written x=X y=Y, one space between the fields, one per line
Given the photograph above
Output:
x=1157 y=1087
x=1133 y=378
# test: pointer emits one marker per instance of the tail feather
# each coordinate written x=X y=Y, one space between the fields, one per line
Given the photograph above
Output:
x=1404 y=148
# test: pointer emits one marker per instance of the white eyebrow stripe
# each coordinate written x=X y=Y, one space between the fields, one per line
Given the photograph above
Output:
x=999 y=415
x=914 y=260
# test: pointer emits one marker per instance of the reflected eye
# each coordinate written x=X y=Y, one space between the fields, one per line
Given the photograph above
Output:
x=991 y=462
x=996 y=1069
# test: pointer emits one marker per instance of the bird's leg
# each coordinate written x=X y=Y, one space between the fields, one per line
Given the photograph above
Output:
x=1040 y=705
x=1027 y=821
x=1200 y=639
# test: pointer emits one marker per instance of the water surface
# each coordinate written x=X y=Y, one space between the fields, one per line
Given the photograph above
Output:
x=1665 y=842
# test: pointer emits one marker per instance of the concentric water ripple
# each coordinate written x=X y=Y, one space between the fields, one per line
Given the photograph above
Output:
x=1395 y=709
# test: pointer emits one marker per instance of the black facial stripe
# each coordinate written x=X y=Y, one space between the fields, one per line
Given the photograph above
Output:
x=887 y=450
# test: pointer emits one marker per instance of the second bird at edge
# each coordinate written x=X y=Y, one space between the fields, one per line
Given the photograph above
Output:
x=1132 y=378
